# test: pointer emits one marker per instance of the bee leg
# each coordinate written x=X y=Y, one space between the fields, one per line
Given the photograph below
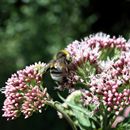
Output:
x=58 y=86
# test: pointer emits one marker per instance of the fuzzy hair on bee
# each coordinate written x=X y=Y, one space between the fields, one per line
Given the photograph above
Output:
x=59 y=66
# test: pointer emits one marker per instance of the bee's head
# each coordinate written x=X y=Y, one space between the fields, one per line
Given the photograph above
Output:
x=63 y=54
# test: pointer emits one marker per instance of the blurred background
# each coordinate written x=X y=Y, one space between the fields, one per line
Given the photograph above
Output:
x=34 y=30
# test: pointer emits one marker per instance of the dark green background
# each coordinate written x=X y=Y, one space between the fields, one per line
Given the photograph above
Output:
x=34 y=30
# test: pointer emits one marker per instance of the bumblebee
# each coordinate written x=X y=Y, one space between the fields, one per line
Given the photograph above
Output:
x=59 y=66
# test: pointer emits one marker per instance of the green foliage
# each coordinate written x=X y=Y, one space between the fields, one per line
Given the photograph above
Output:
x=109 y=53
x=32 y=31
x=81 y=115
x=85 y=70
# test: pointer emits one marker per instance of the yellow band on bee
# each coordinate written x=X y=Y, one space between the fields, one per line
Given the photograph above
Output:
x=64 y=51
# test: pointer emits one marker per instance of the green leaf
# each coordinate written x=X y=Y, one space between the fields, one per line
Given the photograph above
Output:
x=83 y=116
x=85 y=71
x=109 y=53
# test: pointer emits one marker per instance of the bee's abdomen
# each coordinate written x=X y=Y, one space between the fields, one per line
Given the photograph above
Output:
x=56 y=74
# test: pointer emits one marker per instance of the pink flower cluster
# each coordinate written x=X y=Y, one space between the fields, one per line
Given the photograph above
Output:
x=90 y=98
x=89 y=48
x=110 y=81
x=24 y=93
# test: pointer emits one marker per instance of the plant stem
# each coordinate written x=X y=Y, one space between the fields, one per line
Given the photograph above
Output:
x=59 y=108
x=105 y=121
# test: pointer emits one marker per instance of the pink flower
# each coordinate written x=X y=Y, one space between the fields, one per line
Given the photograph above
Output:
x=94 y=53
x=24 y=92
x=103 y=64
x=90 y=48
x=118 y=120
